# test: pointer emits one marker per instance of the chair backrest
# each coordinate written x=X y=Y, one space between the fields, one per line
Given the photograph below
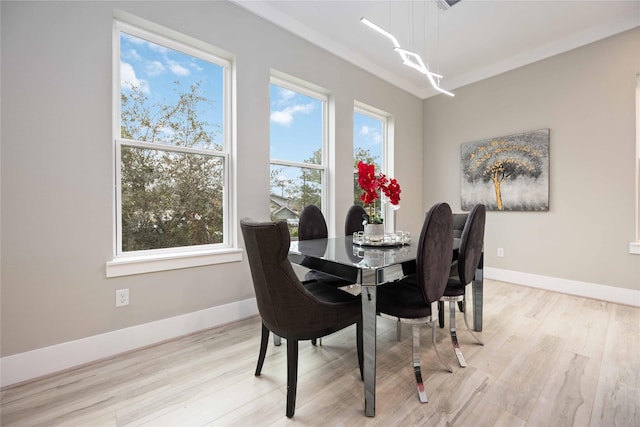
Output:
x=312 y=224
x=459 y=220
x=471 y=243
x=354 y=220
x=435 y=251
x=283 y=302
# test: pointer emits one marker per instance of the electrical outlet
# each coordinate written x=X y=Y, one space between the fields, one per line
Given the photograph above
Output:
x=122 y=297
x=500 y=252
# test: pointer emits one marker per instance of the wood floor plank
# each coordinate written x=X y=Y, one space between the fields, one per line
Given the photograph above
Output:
x=564 y=398
x=548 y=360
x=616 y=404
x=621 y=360
x=586 y=328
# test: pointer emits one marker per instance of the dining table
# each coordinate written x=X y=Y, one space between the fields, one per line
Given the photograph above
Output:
x=370 y=265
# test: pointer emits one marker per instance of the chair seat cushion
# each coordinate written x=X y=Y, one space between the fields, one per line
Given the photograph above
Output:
x=402 y=299
x=326 y=278
x=454 y=288
x=331 y=294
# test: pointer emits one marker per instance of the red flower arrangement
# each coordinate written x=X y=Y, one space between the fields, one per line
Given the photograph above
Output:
x=371 y=184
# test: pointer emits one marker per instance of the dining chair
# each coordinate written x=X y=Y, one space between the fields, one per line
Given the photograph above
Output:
x=312 y=225
x=354 y=220
x=459 y=219
x=471 y=244
x=289 y=309
x=410 y=299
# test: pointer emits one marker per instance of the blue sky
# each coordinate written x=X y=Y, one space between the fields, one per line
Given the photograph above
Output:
x=296 y=131
x=295 y=119
x=367 y=134
x=295 y=125
x=154 y=69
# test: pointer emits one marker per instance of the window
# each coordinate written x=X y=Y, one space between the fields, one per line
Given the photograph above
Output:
x=369 y=144
x=172 y=148
x=298 y=135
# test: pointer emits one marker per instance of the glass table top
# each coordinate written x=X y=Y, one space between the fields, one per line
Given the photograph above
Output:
x=342 y=250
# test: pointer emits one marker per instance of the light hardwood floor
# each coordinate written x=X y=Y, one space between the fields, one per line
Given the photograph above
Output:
x=548 y=360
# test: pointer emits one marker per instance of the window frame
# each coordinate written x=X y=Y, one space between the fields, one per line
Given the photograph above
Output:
x=308 y=89
x=144 y=261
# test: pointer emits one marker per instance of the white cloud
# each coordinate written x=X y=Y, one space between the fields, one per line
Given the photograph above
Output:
x=156 y=47
x=155 y=68
x=281 y=118
x=285 y=94
x=132 y=53
x=285 y=117
x=166 y=131
x=371 y=133
x=195 y=66
x=178 y=69
x=128 y=78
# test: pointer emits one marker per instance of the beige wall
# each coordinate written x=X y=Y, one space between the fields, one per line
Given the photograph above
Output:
x=586 y=97
x=57 y=185
x=56 y=164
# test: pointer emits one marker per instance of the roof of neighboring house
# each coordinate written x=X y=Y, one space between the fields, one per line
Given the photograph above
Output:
x=284 y=213
x=279 y=200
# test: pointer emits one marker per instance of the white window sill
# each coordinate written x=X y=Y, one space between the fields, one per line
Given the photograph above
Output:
x=634 y=248
x=128 y=265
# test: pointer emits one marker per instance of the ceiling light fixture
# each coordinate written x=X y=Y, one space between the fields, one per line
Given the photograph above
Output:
x=410 y=59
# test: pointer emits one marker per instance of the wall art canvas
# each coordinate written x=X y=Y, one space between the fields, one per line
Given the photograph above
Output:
x=507 y=173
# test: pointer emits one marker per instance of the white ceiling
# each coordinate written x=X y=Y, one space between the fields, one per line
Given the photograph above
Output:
x=471 y=41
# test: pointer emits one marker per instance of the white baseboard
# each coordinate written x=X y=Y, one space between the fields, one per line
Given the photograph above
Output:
x=565 y=286
x=43 y=361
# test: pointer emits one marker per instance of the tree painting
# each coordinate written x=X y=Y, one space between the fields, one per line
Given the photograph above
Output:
x=507 y=173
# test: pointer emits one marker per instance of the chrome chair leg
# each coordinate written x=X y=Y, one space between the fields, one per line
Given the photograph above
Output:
x=398 y=330
x=277 y=340
x=422 y=394
x=435 y=347
x=464 y=312
x=454 y=335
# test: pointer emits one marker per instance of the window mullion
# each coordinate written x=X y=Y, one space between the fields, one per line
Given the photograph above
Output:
x=297 y=164
x=166 y=147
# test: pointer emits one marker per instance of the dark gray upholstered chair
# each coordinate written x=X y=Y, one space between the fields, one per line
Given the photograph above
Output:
x=289 y=309
x=353 y=222
x=459 y=219
x=409 y=300
x=471 y=243
x=312 y=225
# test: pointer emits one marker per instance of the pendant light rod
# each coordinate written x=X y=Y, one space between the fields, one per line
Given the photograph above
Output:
x=410 y=59
x=381 y=30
